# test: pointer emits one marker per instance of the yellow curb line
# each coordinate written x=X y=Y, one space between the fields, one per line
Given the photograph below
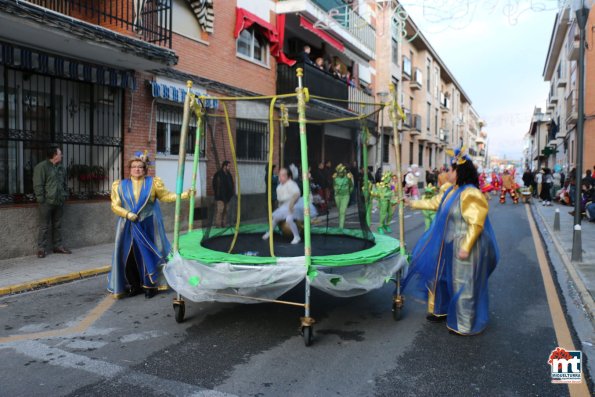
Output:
x=561 y=327
x=46 y=282
x=582 y=290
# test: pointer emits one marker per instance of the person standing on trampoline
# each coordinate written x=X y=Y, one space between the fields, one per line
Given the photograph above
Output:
x=288 y=194
x=452 y=261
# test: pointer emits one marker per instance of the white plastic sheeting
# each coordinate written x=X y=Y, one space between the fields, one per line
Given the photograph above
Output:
x=345 y=282
x=226 y=282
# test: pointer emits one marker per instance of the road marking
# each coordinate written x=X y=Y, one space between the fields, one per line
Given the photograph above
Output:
x=560 y=325
x=110 y=371
x=81 y=327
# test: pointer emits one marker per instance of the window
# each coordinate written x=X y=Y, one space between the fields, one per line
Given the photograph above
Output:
x=436 y=123
x=84 y=119
x=168 y=129
x=410 y=152
x=428 y=116
x=429 y=75
x=386 y=148
x=251 y=140
x=251 y=44
x=420 y=155
x=407 y=66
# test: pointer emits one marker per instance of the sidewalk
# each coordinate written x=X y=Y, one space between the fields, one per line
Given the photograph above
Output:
x=582 y=273
x=29 y=272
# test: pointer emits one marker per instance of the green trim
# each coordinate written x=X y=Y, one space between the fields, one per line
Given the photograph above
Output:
x=190 y=248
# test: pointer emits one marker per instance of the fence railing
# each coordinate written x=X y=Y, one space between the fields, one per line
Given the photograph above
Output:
x=350 y=20
x=318 y=82
x=149 y=20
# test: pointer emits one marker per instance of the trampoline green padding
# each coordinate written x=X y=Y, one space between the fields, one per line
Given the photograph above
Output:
x=331 y=247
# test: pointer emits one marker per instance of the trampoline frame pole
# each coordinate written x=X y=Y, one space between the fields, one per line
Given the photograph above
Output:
x=181 y=165
x=301 y=97
x=195 y=170
x=365 y=192
x=394 y=107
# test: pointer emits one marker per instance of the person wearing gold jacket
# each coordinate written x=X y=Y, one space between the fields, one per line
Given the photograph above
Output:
x=452 y=261
x=141 y=245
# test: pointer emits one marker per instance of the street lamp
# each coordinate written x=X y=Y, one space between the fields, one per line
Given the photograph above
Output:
x=582 y=14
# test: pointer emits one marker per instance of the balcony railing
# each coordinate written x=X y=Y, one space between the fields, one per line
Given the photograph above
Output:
x=571 y=109
x=350 y=20
x=417 y=80
x=149 y=20
x=408 y=119
x=572 y=43
x=318 y=82
x=417 y=122
x=359 y=101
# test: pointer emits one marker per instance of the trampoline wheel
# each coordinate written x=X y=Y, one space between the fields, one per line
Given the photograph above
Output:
x=397 y=308
x=179 y=310
x=307 y=334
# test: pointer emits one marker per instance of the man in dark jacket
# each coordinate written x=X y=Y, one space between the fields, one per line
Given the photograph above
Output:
x=224 y=191
x=49 y=184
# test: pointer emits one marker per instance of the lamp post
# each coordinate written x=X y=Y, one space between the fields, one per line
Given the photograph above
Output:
x=582 y=14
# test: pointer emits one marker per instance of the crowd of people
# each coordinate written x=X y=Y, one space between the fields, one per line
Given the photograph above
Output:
x=332 y=66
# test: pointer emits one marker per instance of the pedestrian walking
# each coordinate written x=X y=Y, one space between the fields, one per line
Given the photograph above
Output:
x=224 y=191
x=51 y=190
x=452 y=261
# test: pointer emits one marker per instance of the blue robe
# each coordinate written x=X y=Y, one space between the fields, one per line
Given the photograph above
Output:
x=144 y=238
x=455 y=288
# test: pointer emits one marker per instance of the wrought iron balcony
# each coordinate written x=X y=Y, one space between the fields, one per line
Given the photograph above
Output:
x=149 y=20
x=318 y=82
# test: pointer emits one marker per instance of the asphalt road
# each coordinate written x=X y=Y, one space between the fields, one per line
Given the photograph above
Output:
x=255 y=350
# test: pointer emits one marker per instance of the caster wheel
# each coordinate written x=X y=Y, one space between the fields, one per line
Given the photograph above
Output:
x=180 y=311
x=398 y=304
x=307 y=334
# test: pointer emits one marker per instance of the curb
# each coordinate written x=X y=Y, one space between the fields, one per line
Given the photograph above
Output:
x=49 y=281
x=584 y=294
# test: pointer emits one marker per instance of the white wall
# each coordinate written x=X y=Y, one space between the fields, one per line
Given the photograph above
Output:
x=252 y=176
x=167 y=169
x=260 y=8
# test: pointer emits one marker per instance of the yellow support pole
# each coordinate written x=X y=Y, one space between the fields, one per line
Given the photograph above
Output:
x=270 y=174
x=394 y=109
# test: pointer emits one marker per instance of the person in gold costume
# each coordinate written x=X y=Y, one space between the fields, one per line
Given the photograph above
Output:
x=452 y=261
x=141 y=245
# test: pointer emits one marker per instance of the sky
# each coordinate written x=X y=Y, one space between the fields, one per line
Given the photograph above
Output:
x=496 y=53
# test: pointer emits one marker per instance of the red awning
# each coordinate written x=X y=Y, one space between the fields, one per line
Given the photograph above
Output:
x=245 y=19
x=322 y=34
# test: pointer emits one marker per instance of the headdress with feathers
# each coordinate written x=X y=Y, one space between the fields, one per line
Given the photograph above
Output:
x=458 y=156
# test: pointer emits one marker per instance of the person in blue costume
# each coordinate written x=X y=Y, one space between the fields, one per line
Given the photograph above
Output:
x=141 y=244
x=452 y=261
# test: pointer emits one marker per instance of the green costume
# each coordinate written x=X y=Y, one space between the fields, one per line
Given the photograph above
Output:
x=386 y=198
x=343 y=186
x=429 y=215
x=367 y=192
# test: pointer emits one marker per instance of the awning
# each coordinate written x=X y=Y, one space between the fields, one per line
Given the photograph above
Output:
x=58 y=66
x=176 y=92
x=322 y=34
x=245 y=19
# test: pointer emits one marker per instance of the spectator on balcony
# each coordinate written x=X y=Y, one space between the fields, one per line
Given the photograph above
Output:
x=338 y=71
x=304 y=56
x=349 y=79
x=319 y=63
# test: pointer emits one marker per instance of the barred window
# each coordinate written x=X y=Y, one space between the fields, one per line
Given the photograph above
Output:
x=168 y=129
x=385 y=148
x=251 y=140
x=84 y=119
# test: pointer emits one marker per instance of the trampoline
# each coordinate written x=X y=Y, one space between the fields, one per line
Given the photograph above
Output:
x=234 y=263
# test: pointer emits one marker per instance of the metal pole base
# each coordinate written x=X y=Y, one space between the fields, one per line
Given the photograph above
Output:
x=577 y=246
x=557 y=220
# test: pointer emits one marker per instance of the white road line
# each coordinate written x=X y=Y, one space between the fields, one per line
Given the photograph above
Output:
x=117 y=373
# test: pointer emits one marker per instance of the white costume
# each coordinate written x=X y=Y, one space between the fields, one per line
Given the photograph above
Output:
x=287 y=193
